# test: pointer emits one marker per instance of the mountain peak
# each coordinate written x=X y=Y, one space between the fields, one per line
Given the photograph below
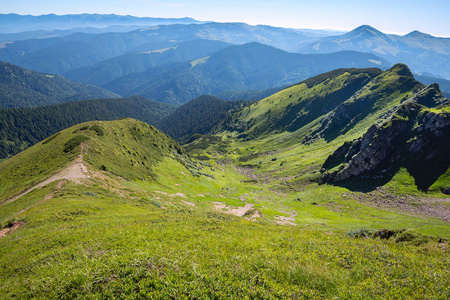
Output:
x=366 y=29
x=417 y=34
x=401 y=69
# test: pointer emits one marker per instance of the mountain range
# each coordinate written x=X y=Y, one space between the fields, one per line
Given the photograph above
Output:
x=61 y=54
x=238 y=68
x=328 y=178
x=425 y=54
x=15 y=23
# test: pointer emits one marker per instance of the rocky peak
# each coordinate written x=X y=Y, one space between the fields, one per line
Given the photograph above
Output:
x=400 y=69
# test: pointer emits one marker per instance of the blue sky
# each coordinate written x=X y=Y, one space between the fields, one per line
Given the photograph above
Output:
x=391 y=16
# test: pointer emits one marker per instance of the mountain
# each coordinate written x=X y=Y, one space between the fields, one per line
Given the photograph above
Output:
x=117 y=209
x=422 y=52
x=239 y=68
x=149 y=146
x=22 y=88
x=13 y=23
x=21 y=128
x=415 y=136
x=62 y=54
x=108 y=70
x=301 y=104
x=383 y=122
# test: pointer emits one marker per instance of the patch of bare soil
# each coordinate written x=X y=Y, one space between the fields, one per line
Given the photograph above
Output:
x=282 y=220
x=179 y=195
x=11 y=227
x=188 y=203
x=418 y=206
x=240 y=211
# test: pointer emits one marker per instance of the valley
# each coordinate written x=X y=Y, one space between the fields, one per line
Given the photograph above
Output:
x=321 y=176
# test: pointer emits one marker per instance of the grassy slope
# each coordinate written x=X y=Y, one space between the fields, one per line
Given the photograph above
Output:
x=117 y=237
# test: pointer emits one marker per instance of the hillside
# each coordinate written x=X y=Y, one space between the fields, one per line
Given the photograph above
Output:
x=343 y=122
x=23 y=127
x=236 y=68
x=423 y=53
x=171 y=227
x=24 y=88
x=415 y=135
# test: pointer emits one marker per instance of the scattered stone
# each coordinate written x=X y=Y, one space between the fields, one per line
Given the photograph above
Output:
x=446 y=190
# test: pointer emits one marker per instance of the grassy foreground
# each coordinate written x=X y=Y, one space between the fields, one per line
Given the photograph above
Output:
x=90 y=243
x=161 y=237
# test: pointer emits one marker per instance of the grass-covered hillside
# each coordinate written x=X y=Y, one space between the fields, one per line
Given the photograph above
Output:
x=24 y=88
x=118 y=209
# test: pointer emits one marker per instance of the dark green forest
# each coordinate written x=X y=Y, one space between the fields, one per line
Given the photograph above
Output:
x=21 y=128
x=200 y=115
x=20 y=87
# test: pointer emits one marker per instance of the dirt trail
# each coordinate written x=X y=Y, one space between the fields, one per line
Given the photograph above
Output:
x=76 y=171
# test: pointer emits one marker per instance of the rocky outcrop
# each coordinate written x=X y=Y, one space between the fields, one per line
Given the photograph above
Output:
x=377 y=93
x=414 y=136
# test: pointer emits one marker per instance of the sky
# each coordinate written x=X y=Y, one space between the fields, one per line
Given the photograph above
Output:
x=389 y=16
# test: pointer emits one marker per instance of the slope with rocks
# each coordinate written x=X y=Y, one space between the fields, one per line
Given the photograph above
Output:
x=415 y=135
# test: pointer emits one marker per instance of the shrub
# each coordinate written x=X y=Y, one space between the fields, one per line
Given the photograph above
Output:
x=74 y=142
x=360 y=233
x=98 y=130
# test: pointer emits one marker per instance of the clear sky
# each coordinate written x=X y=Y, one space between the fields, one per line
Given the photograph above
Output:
x=390 y=16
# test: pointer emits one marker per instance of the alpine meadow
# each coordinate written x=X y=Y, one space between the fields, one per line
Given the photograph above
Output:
x=173 y=158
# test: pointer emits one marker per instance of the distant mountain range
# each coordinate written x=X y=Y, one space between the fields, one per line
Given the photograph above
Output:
x=24 y=88
x=239 y=68
x=61 y=54
x=110 y=69
x=423 y=53
x=14 y=23
x=66 y=50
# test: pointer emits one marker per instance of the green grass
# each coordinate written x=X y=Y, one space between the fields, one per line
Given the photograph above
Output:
x=146 y=226
x=76 y=245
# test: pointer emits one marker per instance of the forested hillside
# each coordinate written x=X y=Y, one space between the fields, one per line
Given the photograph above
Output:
x=24 y=88
x=24 y=127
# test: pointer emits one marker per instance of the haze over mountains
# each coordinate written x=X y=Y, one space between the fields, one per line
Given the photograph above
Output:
x=425 y=54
